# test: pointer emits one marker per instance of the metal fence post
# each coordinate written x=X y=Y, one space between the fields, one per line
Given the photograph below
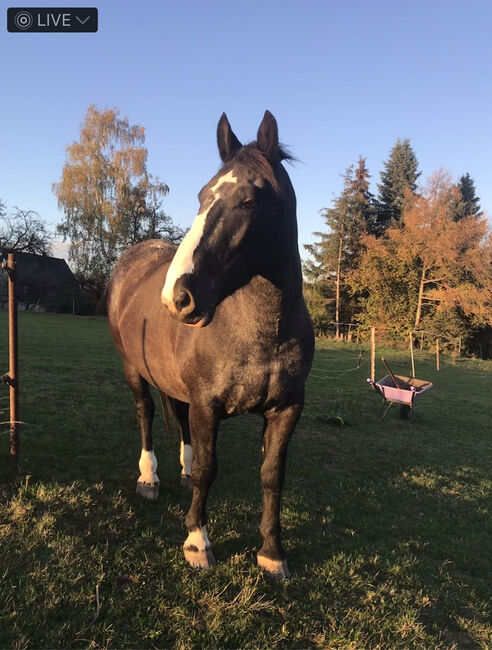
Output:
x=13 y=376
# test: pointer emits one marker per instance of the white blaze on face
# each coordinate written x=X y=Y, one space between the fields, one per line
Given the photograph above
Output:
x=147 y=466
x=183 y=260
x=185 y=458
x=199 y=539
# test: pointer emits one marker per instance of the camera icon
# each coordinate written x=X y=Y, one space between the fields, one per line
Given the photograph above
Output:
x=23 y=20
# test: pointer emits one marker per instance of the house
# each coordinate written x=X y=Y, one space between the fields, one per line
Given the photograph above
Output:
x=42 y=283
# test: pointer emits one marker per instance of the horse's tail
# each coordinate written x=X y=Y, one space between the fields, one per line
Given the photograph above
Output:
x=171 y=421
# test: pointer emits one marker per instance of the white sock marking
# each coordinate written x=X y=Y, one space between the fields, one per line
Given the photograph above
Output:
x=198 y=538
x=147 y=466
x=185 y=458
x=183 y=260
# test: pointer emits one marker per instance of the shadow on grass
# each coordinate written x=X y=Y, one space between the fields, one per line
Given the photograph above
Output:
x=386 y=523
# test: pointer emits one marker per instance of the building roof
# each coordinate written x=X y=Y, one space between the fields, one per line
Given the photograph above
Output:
x=40 y=279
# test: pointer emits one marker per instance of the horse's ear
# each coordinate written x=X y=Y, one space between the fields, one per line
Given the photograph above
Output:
x=267 y=138
x=227 y=141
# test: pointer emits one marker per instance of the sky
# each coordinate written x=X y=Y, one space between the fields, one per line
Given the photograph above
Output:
x=343 y=79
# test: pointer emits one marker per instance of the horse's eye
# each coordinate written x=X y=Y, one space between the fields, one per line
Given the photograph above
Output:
x=248 y=204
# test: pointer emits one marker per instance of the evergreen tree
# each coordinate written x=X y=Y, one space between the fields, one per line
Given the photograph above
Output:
x=336 y=252
x=400 y=173
x=362 y=201
x=467 y=204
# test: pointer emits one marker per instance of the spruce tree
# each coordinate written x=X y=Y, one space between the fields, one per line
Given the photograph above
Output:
x=399 y=174
x=362 y=201
x=468 y=205
x=336 y=252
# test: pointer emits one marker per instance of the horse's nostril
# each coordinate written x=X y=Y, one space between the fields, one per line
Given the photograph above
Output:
x=183 y=300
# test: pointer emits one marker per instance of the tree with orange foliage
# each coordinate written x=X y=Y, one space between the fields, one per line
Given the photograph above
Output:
x=430 y=263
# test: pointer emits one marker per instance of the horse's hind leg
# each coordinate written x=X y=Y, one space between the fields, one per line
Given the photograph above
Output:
x=185 y=454
x=276 y=436
x=148 y=483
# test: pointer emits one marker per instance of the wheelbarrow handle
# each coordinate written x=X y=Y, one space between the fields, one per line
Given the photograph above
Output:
x=395 y=381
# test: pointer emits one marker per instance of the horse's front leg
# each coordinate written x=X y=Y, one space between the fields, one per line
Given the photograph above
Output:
x=279 y=425
x=204 y=427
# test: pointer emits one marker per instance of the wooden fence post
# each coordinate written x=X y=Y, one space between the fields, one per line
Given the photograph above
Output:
x=411 y=354
x=373 y=353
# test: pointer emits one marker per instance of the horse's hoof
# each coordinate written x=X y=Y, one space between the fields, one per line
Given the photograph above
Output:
x=274 y=568
x=186 y=481
x=148 y=491
x=199 y=559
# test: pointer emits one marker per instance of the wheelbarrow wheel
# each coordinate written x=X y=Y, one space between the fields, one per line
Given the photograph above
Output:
x=405 y=412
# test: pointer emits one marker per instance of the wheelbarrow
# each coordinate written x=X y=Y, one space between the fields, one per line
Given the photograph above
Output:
x=397 y=389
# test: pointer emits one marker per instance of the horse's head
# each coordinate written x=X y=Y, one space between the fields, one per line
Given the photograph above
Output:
x=240 y=230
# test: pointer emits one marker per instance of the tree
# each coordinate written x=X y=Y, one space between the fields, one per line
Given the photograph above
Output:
x=109 y=198
x=433 y=264
x=362 y=201
x=337 y=251
x=144 y=218
x=24 y=231
x=453 y=258
x=399 y=175
x=467 y=202
x=384 y=285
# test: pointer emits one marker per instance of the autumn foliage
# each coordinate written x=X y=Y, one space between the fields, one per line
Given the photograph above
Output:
x=428 y=271
x=109 y=199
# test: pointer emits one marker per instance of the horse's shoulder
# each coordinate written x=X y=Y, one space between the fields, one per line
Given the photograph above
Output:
x=135 y=266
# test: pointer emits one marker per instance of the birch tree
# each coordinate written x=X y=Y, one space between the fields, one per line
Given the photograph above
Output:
x=108 y=197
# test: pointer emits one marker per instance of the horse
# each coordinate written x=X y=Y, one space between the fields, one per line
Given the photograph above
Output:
x=219 y=326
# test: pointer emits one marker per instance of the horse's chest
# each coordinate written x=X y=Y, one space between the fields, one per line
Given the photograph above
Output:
x=258 y=381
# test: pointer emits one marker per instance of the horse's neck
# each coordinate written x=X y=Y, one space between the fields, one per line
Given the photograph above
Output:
x=274 y=300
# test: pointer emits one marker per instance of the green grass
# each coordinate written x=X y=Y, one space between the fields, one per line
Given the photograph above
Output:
x=387 y=523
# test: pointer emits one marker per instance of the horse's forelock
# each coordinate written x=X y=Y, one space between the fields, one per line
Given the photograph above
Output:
x=255 y=160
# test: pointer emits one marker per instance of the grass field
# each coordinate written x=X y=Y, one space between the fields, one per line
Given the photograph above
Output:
x=387 y=523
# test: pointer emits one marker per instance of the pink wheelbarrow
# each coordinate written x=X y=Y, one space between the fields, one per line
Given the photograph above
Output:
x=400 y=390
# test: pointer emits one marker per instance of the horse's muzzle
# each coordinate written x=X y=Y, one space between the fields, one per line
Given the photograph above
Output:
x=183 y=309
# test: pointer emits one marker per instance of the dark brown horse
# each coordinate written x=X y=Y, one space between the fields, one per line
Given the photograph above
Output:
x=219 y=326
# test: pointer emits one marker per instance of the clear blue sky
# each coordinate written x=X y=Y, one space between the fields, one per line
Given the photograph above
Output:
x=342 y=78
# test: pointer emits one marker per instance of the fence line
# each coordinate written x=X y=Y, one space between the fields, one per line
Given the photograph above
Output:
x=344 y=372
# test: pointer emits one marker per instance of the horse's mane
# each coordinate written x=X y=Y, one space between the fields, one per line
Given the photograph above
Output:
x=257 y=162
